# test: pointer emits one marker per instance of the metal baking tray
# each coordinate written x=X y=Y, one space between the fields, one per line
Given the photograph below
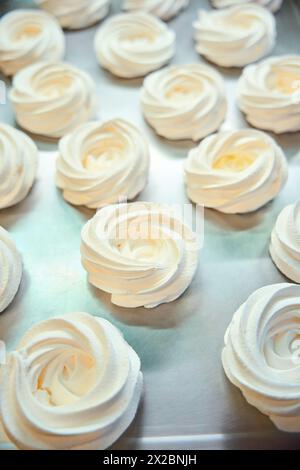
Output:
x=188 y=403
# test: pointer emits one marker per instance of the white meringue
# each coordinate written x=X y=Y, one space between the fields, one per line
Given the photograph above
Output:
x=102 y=163
x=184 y=101
x=269 y=94
x=272 y=5
x=141 y=253
x=10 y=269
x=164 y=9
x=133 y=44
x=76 y=14
x=52 y=98
x=18 y=165
x=235 y=36
x=285 y=242
x=262 y=353
x=28 y=36
x=236 y=171
x=72 y=383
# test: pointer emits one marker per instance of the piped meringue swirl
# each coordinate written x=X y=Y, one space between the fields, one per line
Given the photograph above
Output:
x=269 y=94
x=236 y=171
x=76 y=14
x=285 y=242
x=272 y=5
x=184 y=101
x=101 y=163
x=262 y=353
x=52 y=98
x=164 y=9
x=141 y=253
x=133 y=44
x=10 y=269
x=235 y=36
x=18 y=165
x=28 y=36
x=72 y=383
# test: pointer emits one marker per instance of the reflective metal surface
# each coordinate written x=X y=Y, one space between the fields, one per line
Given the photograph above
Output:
x=187 y=403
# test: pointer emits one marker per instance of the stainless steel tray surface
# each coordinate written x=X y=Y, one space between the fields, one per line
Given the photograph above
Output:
x=188 y=402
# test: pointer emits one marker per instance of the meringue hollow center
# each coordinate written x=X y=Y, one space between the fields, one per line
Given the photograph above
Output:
x=183 y=90
x=104 y=151
x=139 y=39
x=68 y=375
x=233 y=162
x=161 y=252
x=284 y=345
x=285 y=81
x=295 y=346
x=27 y=32
x=52 y=86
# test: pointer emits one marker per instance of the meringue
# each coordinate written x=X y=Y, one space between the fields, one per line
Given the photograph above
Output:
x=28 y=36
x=285 y=242
x=184 y=101
x=52 y=98
x=18 y=165
x=72 y=383
x=99 y=164
x=164 y=9
x=272 y=5
x=133 y=44
x=10 y=269
x=235 y=36
x=262 y=353
x=236 y=171
x=269 y=94
x=76 y=14
x=141 y=253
